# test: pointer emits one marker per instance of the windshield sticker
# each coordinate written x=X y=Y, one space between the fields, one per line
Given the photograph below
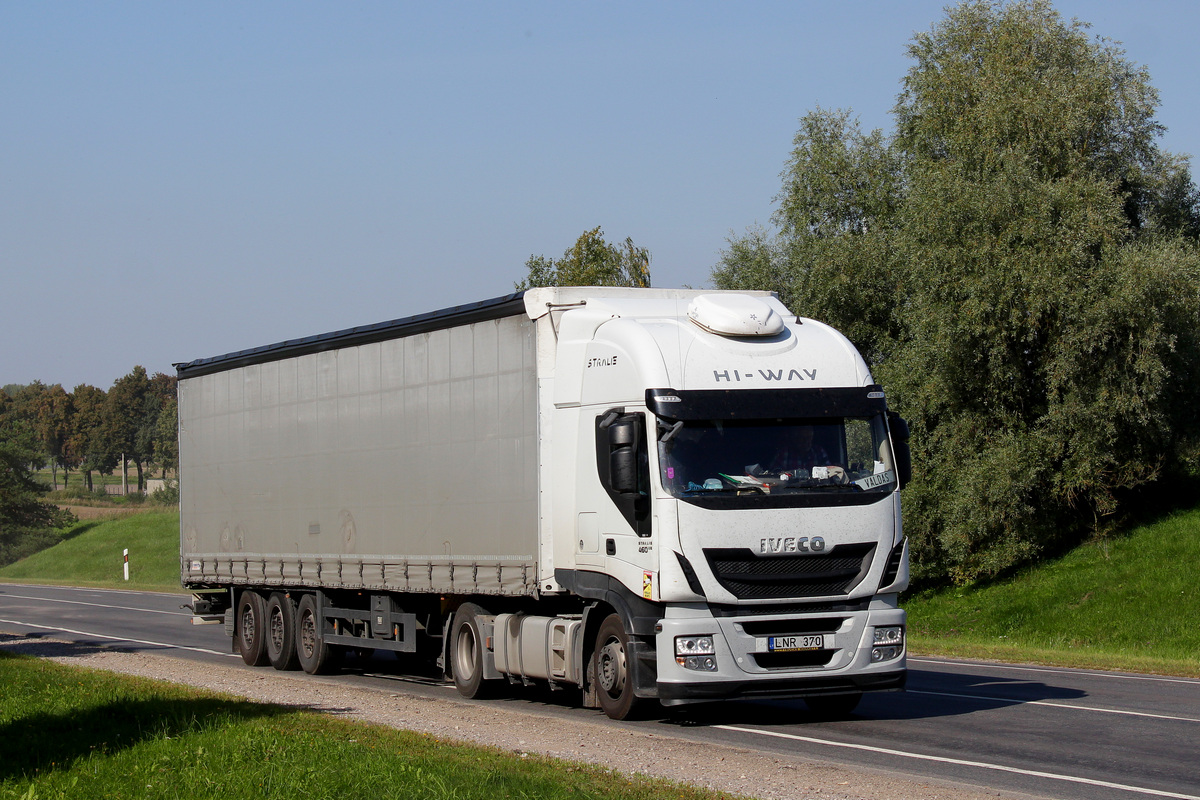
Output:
x=876 y=480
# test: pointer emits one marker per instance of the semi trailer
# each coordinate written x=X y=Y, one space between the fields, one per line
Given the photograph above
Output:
x=652 y=495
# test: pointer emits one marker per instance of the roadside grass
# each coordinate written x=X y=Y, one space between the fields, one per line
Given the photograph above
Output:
x=70 y=732
x=90 y=554
x=1128 y=604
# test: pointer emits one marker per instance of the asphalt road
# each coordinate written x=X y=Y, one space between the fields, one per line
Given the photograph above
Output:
x=1046 y=732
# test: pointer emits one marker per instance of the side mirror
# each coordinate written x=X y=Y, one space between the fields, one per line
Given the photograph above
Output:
x=901 y=450
x=623 y=456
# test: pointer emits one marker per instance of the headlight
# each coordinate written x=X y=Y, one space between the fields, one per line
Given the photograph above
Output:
x=890 y=635
x=694 y=645
x=696 y=652
x=888 y=644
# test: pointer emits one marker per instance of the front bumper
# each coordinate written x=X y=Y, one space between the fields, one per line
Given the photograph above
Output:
x=745 y=668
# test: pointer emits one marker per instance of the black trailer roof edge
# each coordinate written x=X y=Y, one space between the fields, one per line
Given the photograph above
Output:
x=493 y=308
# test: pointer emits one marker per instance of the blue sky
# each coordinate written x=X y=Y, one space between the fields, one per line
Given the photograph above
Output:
x=183 y=179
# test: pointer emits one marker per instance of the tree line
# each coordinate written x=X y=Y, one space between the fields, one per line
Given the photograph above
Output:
x=90 y=430
x=1018 y=261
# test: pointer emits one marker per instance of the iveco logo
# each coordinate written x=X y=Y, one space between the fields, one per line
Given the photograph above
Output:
x=792 y=544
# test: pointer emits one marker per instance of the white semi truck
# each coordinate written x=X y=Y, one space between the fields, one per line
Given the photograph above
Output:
x=653 y=495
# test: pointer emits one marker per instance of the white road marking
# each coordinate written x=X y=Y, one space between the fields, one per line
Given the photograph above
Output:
x=1053 y=703
x=962 y=762
x=96 y=605
x=89 y=589
x=1057 y=671
x=118 y=638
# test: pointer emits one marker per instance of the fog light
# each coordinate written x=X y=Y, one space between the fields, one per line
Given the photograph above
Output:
x=701 y=663
x=890 y=635
x=696 y=652
x=885 y=653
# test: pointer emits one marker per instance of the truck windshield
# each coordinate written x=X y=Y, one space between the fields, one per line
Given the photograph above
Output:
x=776 y=456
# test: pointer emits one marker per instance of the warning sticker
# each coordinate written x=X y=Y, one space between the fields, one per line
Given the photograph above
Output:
x=647 y=584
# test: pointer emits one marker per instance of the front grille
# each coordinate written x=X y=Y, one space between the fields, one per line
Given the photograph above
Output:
x=792 y=609
x=785 y=627
x=751 y=577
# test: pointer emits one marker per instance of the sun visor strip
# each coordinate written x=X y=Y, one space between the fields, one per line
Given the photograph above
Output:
x=703 y=404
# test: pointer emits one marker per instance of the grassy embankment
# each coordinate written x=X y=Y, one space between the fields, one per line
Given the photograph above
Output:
x=91 y=554
x=1128 y=604
x=70 y=732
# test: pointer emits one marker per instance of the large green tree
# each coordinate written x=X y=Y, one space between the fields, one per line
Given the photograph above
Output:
x=52 y=421
x=26 y=520
x=591 y=261
x=88 y=444
x=1019 y=260
x=125 y=414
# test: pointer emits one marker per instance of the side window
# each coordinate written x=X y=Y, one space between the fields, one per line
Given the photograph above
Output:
x=623 y=465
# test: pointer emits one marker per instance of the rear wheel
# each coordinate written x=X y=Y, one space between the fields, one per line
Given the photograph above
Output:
x=610 y=661
x=317 y=657
x=833 y=705
x=249 y=630
x=466 y=651
x=281 y=632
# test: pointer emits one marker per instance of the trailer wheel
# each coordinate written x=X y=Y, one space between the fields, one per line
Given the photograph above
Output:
x=250 y=631
x=317 y=657
x=466 y=652
x=610 y=661
x=281 y=632
x=833 y=706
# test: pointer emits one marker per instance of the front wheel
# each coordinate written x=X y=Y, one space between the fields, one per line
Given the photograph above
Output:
x=610 y=666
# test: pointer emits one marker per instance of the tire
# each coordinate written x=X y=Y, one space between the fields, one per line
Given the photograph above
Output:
x=281 y=632
x=610 y=667
x=466 y=652
x=316 y=656
x=249 y=632
x=833 y=706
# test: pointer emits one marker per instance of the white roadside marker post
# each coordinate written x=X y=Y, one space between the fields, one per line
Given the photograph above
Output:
x=126 y=563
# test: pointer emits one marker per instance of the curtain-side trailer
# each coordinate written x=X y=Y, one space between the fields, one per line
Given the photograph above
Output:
x=649 y=494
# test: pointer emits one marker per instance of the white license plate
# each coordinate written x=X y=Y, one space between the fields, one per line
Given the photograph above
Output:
x=814 y=641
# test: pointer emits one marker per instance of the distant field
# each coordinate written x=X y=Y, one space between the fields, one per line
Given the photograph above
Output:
x=91 y=554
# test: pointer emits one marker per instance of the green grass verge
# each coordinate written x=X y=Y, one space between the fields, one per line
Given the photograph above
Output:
x=1129 y=603
x=91 y=555
x=70 y=732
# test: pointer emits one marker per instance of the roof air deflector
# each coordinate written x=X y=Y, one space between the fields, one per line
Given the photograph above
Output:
x=734 y=315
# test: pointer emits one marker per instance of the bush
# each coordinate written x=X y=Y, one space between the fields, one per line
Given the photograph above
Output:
x=168 y=495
